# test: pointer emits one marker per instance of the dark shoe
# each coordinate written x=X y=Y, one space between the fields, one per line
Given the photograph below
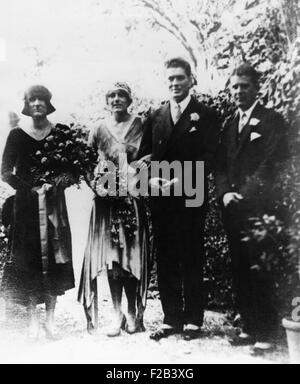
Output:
x=192 y=332
x=242 y=340
x=164 y=333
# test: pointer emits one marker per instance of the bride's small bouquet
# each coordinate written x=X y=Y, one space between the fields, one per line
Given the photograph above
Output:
x=65 y=158
x=113 y=185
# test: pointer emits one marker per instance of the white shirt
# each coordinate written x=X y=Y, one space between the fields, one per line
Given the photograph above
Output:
x=183 y=106
x=247 y=116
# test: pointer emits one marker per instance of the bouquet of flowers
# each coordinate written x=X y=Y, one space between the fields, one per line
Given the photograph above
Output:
x=65 y=159
x=112 y=185
x=124 y=217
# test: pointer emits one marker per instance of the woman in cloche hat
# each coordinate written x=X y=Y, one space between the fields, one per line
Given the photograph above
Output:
x=125 y=260
x=35 y=275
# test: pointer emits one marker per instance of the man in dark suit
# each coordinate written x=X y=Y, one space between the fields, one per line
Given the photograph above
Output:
x=251 y=145
x=185 y=132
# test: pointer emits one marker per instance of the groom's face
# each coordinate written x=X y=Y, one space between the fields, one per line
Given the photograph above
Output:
x=244 y=91
x=179 y=83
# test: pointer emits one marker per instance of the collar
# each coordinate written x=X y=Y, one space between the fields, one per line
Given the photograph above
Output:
x=249 y=112
x=183 y=104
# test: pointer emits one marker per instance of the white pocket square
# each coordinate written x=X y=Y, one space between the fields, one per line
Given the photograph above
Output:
x=193 y=130
x=254 y=122
x=255 y=136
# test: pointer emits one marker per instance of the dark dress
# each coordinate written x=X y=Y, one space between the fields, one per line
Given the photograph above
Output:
x=28 y=277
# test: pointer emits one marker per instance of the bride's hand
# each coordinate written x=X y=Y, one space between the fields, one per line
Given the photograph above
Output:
x=143 y=163
x=101 y=191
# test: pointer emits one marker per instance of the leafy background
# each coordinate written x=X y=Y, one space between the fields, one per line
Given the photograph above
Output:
x=130 y=39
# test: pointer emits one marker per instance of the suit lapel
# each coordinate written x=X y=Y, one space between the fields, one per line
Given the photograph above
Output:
x=184 y=123
x=165 y=133
x=162 y=131
x=233 y=136
x=245 y=135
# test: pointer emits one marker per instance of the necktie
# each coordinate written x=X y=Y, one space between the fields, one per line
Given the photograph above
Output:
x=243 y=122
x=177 y=114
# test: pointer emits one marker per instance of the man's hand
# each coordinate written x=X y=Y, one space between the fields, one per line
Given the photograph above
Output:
x=155 y=183
x=232 y=197
x=43 y=189
x=162 y=184
x=158 y=184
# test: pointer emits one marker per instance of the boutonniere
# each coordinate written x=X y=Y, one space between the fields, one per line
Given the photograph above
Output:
x=254 y=122
x=255 y=136
x=195 y=117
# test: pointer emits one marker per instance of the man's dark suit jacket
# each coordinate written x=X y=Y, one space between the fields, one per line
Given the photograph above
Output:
x=247 y=165
x=179 y=230
x=246 y=161
x=188 y=140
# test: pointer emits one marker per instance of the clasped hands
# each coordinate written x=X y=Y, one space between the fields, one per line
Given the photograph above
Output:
x=43 y=189
x=163 y=185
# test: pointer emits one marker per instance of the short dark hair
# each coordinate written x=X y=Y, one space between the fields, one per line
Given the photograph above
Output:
x=37 y=91
x=247 y=69
x=181 y=63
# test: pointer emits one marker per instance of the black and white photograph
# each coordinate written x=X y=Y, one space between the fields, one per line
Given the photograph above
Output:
x=150 y=184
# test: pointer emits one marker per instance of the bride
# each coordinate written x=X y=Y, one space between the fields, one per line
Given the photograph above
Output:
x=118 y=240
